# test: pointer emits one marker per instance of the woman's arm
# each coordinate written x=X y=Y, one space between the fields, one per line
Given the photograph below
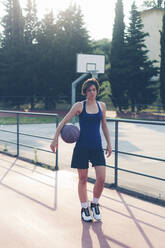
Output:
x=76 y=109
x=105 y=130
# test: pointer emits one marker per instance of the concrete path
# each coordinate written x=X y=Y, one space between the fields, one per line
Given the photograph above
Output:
x=40 y=209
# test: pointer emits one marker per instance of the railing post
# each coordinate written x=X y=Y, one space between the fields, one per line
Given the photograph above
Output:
x=116 y=153
x=17 y=134
x=56 y=165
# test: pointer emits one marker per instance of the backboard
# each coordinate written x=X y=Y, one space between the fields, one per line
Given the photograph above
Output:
x=90 y=63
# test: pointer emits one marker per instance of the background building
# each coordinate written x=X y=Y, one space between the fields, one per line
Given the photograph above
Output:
x=152 y=20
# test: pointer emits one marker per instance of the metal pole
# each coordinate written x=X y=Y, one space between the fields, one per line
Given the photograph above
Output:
x=74 y=84
x=56 y=171
x=116 y=153
x=55 y=190
x=56 y=165
x=94 y=75
x=17 y=135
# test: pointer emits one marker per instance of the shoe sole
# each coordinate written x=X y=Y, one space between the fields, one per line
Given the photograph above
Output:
x=86 y=220
x=96 y=219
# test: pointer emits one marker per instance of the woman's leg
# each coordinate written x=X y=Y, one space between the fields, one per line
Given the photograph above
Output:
x=82 y=184
x=100 y=179
x=98 y=188
x=82 y=191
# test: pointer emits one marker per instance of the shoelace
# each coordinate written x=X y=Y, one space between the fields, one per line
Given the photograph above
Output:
x=86 y=210
x=96 y=207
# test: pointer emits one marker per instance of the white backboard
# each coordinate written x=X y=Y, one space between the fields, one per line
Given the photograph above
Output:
x=88 y=63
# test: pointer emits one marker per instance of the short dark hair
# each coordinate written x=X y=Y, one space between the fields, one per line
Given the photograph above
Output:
x=88 y=83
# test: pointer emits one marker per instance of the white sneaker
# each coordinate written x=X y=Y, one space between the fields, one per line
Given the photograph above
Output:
x=85 y=215
x=96 y=211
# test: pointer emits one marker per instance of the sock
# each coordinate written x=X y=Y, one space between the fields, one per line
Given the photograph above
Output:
x=95 y=200
x=84 y=204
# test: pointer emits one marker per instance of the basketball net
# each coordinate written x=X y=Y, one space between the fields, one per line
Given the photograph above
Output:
x=94 y=73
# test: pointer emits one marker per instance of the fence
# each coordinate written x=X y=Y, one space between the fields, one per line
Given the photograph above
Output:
x=116 y=151
x=118 y=169
x=17 y=115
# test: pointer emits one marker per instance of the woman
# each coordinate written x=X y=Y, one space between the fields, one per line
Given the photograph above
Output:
x=89 y=146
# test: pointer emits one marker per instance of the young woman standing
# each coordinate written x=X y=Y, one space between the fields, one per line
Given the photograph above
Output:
x=89 y=146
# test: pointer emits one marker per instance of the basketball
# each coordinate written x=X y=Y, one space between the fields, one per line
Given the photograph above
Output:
x=70 y=133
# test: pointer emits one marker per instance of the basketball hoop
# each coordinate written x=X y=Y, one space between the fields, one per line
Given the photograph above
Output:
x=91 y=63
x=94 y=73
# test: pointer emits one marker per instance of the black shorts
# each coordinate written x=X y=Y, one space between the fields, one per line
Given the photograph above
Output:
x=82 y=156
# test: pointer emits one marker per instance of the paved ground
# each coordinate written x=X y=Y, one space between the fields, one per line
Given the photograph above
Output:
x=39 y=208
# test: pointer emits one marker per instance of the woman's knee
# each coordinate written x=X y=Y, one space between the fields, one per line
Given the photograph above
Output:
x=83 y=180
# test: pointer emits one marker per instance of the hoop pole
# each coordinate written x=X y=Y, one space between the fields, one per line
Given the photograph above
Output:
x=74 y=84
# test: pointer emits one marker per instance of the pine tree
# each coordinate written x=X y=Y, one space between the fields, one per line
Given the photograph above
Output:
x=31 y=22
x=6 y=23
x=31 y=28
x=162 y=64
x=153 y=3
x=13 y=25
x=13 y=49
x=139 y=69
x=47 y=47
x=72 y=38
x=116 y=59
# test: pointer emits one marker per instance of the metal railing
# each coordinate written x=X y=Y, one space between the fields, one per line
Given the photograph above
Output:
x=17 y=114
x=116 y=164
x=116 y=151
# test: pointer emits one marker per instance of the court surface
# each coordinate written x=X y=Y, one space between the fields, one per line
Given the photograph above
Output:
x=39 y=208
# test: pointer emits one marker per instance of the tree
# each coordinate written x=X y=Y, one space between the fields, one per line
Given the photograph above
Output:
x=102 y=46
x=13 y=48
x=152 y=3
x=47 y=47
x=139 y=69
x=116 y=59
x=105 y=93
x=162 y=64
x=13 y=25
x=31 y=28
x=31 y=23
x=72 y=38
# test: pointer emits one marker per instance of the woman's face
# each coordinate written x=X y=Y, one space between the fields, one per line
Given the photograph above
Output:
x=91 y=92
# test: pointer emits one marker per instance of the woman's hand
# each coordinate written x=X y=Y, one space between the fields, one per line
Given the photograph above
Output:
x=54 y=145
x=108 y=151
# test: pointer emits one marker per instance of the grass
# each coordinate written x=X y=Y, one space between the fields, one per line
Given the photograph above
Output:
x=29 y=120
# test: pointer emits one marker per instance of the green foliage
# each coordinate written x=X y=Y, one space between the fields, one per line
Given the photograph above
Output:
x=152 y=3
x=31 y=23
x=72 y=39
x=47 y=59
x=31 y=28
x=38 y=58
x=117 y=69
x=162 y=65
x=12 y=40
x=105 y=93
x=102 y=46
x=13 y=24
x=139 y=69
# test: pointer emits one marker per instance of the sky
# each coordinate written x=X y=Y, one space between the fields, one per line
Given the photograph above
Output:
x=98 y=14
